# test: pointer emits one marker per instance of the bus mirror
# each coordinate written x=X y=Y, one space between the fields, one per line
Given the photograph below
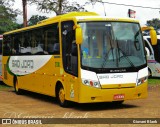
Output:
x=153 y=36
x=79 y=36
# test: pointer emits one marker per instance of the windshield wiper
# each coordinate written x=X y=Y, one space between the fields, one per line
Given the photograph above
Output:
x=136 y=42
x=124 y=55
x=107 y=54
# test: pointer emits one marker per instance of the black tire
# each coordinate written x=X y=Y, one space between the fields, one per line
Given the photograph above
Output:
x=118 y=103
x=60 y=94
x=16 y=88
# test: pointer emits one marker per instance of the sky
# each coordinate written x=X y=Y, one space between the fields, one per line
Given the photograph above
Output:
x=142 y=14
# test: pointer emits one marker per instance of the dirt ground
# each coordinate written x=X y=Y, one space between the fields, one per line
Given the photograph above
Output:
x=31 y=105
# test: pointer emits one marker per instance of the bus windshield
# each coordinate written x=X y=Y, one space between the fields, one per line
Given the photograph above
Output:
x=112 y=45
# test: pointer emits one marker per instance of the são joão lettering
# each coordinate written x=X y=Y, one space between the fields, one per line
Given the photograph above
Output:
x=23 y=64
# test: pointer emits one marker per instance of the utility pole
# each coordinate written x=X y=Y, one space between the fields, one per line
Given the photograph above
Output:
x=104 y=8
x=24 y=3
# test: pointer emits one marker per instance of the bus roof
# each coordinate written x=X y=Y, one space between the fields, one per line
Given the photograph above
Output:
x=79 y=16
x=68 y=15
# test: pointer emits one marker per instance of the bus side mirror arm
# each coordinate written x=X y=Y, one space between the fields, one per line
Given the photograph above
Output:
x=79 y=35
x=153 y=34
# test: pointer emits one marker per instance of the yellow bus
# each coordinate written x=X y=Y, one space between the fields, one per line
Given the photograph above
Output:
x=1 y=38
x=80 y=57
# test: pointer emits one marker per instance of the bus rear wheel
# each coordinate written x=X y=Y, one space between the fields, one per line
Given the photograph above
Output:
x=16 y=88
x=61 y=97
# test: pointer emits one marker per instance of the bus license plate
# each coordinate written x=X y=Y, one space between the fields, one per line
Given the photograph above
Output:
x=118 y=96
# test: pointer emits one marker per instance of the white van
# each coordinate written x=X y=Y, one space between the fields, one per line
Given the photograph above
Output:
x=153 y=56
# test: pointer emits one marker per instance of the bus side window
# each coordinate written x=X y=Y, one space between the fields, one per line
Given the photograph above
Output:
x=0 y=47
x=56 y=48
x=39 y=42
x=26 y=40
x=52 y=39
x=16 y=45
x=36 y=49
x=157 y=50
x=24 y=44
x=6 y=45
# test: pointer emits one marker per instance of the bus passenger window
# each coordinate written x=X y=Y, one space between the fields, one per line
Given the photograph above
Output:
x=56 y=48
x=52 y=39
x=6 y=48
x=53 y=48
x=16 y=46
x=0 y=47
x=6 y=45
x=25 y=44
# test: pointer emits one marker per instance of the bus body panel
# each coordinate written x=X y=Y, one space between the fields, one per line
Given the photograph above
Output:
x=45 y=73
x=44 y=80
x=7 y=77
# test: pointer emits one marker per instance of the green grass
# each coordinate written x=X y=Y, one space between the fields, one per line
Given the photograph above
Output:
x=3 y=86
x=154 y=81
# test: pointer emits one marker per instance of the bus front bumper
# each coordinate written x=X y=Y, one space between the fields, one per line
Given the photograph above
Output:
x=91 y=95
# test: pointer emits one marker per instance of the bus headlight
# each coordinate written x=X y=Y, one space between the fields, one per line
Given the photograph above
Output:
x=91 y=83
x=141 y=80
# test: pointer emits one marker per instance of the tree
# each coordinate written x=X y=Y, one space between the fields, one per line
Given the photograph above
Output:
x=24 y=3
x=57 y=6
x=154 y=23
x=7 y=16
x=93 y=2
x=35 y=18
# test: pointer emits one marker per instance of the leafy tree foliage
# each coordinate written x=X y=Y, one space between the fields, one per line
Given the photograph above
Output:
x=7 y=16
x=57 y=6
x=93 y=1
x=35 y=18
x=154 y=22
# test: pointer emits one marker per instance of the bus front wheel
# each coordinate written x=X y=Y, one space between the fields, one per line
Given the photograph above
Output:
x=118 y=103
x=61 y=97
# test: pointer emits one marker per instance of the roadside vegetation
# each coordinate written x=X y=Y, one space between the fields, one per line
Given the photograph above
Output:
x=154 y=81
x=4 y=87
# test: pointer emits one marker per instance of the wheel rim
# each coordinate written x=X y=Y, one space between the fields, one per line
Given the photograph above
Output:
x=61 y=95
